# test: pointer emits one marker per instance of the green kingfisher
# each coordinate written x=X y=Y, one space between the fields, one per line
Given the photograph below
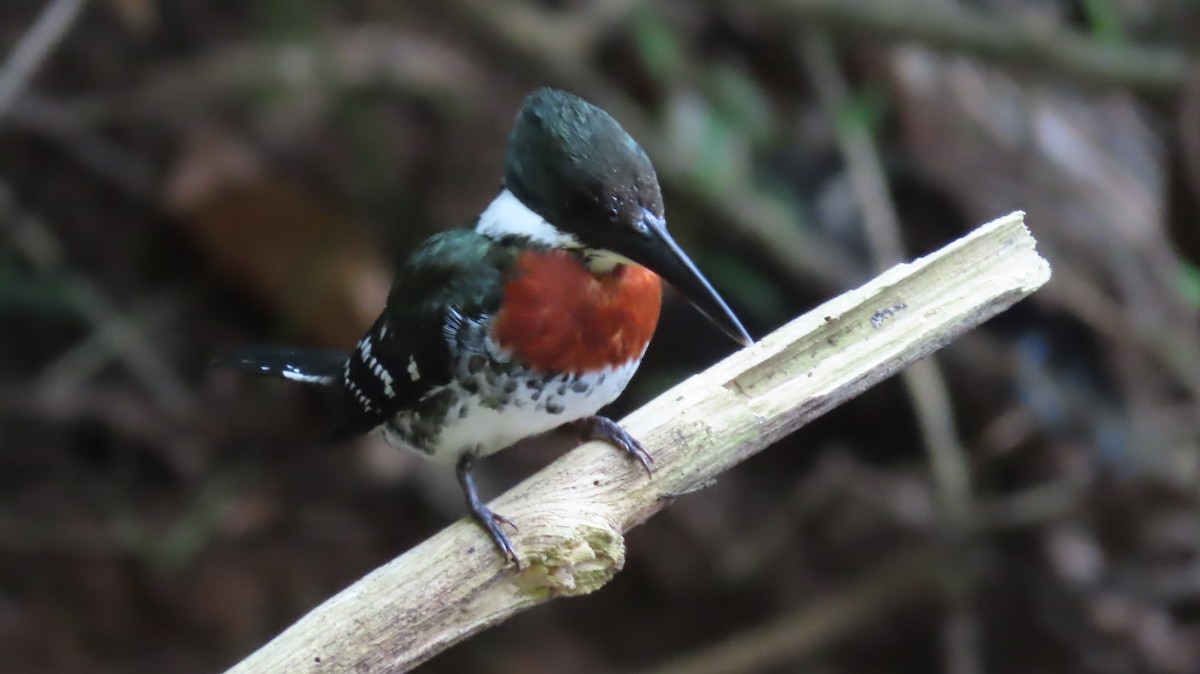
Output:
x=536 y=318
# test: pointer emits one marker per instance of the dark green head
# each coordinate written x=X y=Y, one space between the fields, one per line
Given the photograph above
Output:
x=572 y=164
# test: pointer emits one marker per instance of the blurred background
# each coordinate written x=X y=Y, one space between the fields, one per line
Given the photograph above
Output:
x=178 y=177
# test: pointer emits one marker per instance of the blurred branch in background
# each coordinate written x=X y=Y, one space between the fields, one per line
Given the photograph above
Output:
x=37 y=43
x=114 y=334
x=342 y=59
x=958 y=28
x=801 y=634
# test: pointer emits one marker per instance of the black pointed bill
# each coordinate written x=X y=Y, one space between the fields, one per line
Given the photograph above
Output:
x=657 y=251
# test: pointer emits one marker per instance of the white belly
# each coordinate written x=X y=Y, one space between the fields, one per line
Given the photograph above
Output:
x=476 y=424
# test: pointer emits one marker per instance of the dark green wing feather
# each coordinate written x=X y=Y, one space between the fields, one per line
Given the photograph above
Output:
x=455 y=275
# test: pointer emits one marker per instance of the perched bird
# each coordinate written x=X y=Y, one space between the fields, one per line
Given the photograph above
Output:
x=535 y=319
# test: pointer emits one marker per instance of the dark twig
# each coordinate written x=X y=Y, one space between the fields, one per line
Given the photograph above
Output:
x=126 y=340
x=954 y=27
x=34 y=47
x=805 y=631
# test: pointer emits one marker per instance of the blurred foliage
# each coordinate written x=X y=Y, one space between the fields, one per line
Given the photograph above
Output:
x=658 y=43
x=21 y=290
x=1104 y=20
x=1189 y=284
x=867 y=109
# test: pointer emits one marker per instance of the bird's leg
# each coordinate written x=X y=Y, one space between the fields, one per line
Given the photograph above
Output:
x=490 y=520
x=602 y=428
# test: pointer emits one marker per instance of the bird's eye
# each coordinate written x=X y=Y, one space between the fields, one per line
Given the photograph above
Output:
x=641 y=228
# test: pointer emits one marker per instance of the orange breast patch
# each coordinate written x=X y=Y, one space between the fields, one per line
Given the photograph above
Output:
x=558 y=316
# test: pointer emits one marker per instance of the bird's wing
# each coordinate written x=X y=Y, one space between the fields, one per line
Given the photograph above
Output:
x=454 y=276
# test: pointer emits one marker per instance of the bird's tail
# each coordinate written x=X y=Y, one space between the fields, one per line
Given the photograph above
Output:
x=321 y=367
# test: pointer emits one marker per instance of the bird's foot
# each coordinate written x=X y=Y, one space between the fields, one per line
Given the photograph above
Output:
x=490 y=521
x=493 y=523
x=602 y=428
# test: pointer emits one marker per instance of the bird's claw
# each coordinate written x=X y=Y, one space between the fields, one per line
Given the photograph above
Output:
x=492 y=522
x=489 y=520
x=603 y=428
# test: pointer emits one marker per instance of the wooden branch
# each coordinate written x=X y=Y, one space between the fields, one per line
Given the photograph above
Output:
x=572 y=515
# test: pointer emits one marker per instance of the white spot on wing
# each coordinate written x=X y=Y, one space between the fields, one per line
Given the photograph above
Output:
x=413 y=373
x=385 y=377
x=372 y=363
x=359 y=396
x=364 y=349
x=454 y=321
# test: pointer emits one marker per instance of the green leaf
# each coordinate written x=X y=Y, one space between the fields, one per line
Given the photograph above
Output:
x=865 y=110
x=739 y=101
x=1104 y=21
x=714 y=166
x=658 y=44
x=286 y=20
x=20 y=290
x=1188 y=284
x=714 y=154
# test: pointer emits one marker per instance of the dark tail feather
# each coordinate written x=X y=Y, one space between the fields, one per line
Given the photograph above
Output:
x=322 y=367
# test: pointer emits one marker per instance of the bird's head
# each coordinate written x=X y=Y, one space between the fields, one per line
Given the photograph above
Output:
x=591 y=187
